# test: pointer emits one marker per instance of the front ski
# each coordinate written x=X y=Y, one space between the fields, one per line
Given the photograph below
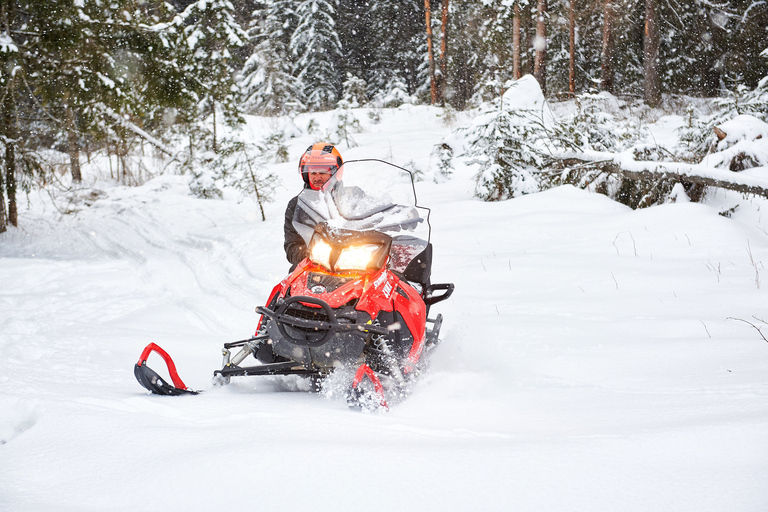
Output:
x=153 y=382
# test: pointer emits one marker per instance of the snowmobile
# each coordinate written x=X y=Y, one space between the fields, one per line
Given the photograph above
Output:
x=360 y=301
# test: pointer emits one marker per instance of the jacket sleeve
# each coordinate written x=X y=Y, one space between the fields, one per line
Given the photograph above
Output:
x=295 y=248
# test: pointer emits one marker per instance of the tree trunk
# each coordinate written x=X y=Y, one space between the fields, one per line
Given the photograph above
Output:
x=6 y=120
x=606 y=55
x=651 y=54
x=526 y=43
x=10 y=182
x=516 y=42
x=432 y=84
x=572 y=48
x=74 y=148
x=215 y=146
x=9 y=216
x=540 y=45
x=256 y=189
x=443 y=52
x=3 y=215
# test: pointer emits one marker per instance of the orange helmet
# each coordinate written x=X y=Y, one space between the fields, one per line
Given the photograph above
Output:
x=319 y=156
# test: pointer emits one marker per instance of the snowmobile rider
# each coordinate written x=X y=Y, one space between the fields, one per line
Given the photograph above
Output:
x=318 y=163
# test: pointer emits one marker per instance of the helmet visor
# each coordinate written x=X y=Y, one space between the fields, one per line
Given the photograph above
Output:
x=328 y=169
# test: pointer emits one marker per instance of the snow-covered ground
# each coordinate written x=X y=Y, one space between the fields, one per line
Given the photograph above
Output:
x=594 y=358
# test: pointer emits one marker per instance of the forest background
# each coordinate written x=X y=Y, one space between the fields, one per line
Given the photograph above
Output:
x=123 y=77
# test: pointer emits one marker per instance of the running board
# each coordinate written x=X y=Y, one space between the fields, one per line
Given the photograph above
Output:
x=286 y=368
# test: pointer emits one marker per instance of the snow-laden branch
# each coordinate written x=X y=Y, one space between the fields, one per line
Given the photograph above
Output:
x=626 y=165
x=138 y=131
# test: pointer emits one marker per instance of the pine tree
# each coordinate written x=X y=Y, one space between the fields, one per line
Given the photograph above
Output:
x=210 y=33
x=317 y=49
x=396 y=69
x=354 y=23
x=72 y=69
x=712 y=44
x=85 y=73
x=466 y=56
x=266 y=82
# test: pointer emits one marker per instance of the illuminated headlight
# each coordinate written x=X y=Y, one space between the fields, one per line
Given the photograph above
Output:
x=320 y=253
x=356 y=257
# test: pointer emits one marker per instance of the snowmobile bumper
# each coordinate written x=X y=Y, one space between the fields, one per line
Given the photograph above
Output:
x=321 y=329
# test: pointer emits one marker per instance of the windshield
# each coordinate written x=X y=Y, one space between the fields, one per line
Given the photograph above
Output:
x=366 y=195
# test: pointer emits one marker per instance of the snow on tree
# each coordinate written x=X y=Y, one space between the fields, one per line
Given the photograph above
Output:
x=354 y=93
x=509 y=142
x=68 y=70
x=241 y=166
x=210 y=33
x=73 y=69
x=397 y=70
x=701 y=132
x=344 y=119
x=317 y=48
x=266 y=81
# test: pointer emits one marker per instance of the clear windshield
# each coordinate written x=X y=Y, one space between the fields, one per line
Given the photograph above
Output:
x=367 y=195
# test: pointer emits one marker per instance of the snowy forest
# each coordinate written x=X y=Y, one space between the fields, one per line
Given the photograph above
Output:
x=591 y=177
x=118 y=77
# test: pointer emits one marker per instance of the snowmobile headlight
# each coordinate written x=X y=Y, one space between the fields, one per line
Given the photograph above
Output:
x=320 y=253
x=357 y=257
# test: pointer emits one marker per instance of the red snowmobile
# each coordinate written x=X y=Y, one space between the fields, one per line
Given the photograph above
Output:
x=359 y=301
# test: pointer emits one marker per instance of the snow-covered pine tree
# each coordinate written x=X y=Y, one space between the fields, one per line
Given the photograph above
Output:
x=353 y=25
x=699 y=132
x=239 y=165
x=710 y=44
x=72 y=68
x=266 y=83
x=210 y=33
x=501 y=143
x=317 y=48
x=353 y=96
x=443 y=156
x=511 y=141
x=464 y=58
x=757 y=101
x=354 y=93
x=77 y=68
x=395 y=72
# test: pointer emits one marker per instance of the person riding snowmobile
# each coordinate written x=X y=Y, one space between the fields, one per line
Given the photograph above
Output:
x=318 y=163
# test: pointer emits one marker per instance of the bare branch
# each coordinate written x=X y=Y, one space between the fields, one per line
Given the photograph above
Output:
x=750 y=324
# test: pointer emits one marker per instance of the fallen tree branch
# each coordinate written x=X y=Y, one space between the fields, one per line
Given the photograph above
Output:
x=675 y=171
